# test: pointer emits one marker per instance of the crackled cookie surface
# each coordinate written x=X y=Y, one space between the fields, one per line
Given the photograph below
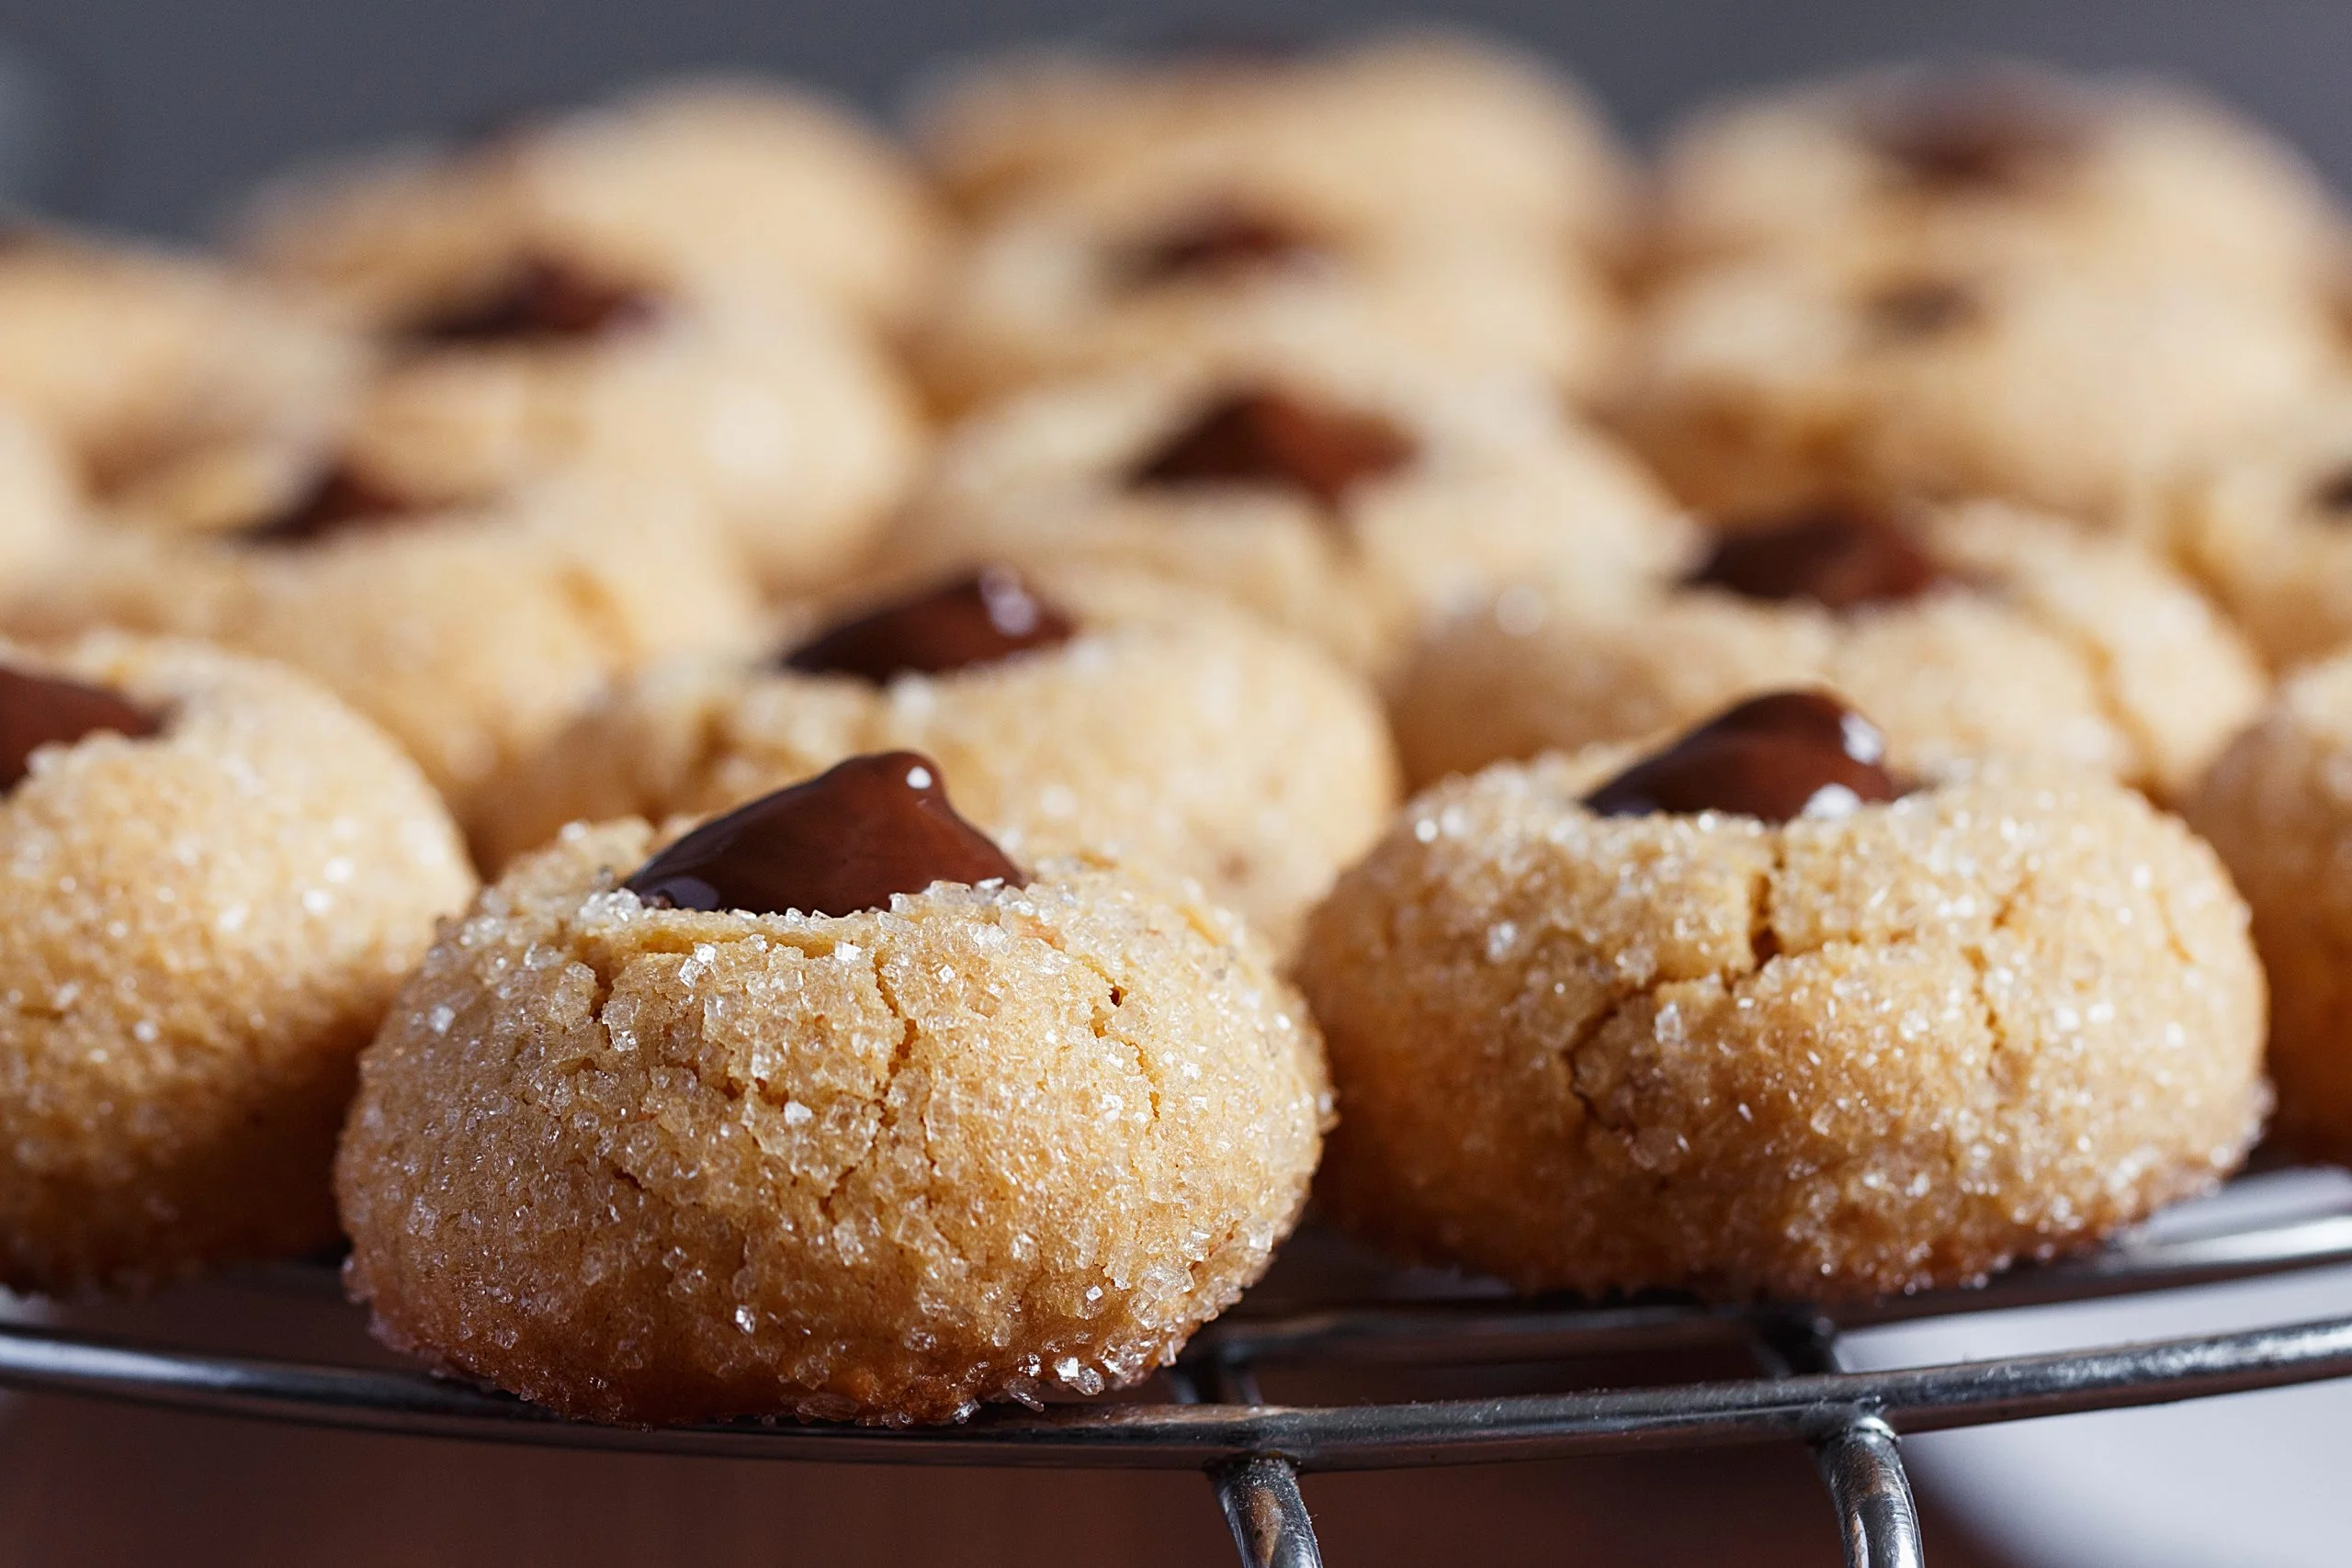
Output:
x=981 y=1132
x=1977 y=630
x=216 y=876
x=471 y=635
x=2279 y=807
x=1077 y=710
x=1731 y=1019
x=1350 y=495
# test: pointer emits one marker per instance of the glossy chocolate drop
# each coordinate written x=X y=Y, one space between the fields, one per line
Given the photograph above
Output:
x=1271 y=438
x=1987 y=130
x=978 y=619
x=1921 y=308
x=38 y=711
x=1778 y=757
x=2334 y=495
x=337 y=501
x=1841 y=560
x=541 y=300
x=843 y=841
x=1218 y=243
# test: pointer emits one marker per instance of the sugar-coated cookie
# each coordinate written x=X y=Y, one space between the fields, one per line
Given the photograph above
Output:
x=2279 y=807
x=215 y=877
x=1743 y=1017
x=1973 y=630
x=1353 y=496
x=471 y=635
x=641 y=1145
x=1076 y=710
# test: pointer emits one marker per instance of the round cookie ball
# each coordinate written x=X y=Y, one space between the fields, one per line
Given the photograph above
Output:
x=1193 y=251
x=1461 y=130
x=1978 y=630
x=40 y=511
x=471 y=636
x=217 y=876
x=2083 y=383
x=778 y=187
x=1354 y=497
x=2263 y=529
x=1076 y=710
x=1882 y=1047
x=141 y=364
x=1911 y=157
x=972 y=1143
x=2279 y=807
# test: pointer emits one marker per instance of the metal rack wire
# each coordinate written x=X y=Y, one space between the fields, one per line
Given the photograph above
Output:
x=1209 y=1414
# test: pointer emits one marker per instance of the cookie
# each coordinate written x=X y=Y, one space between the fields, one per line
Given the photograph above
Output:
x=2279 y=807
x=1911 y=158
x=778 y=186
x=40 y=510
x=1746 y=1017
x=1461 y=131
x=471 y=636
x=1976 y=630
x=217 y=876
x=1076 y=711
x=1192 y=252
x=2083 y=384
x=1349 y=495
x=143 y=364
x=2262 y=527
x=641 y=1145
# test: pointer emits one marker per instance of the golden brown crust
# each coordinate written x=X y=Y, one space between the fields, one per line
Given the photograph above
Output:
x=659 y=1165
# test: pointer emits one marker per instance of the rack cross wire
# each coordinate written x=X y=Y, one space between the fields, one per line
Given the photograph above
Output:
x=1213 y=1418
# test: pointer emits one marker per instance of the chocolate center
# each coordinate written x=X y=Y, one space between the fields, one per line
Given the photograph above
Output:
x=1778 y=757
x=2333 y=494
x=1839 y=559
x=1271 y=438
x=1984 y=131
x=1920 y=308
x=339 y=500
x=978 y=619
x=542 y=299
x=38 y=711
x=843 y=841
x=1218 y=243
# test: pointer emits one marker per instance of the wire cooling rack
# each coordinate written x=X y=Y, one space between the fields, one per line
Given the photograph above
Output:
x=1208 y=1413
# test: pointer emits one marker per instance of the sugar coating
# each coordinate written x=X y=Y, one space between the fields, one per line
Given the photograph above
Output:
x=2279 y=807
x=141 y=363
x=2159 y=168
x=1503 y=488
x=1172 y=730
x=780 y=186
x=1995 y=1019
x=203 y=929
x=790 y=423
x=471 y=636
x=2077 y=380
x=1047 y=289
x=2262 y=527
x=659 y=1165
x=1457 y=129
x=2050 y=647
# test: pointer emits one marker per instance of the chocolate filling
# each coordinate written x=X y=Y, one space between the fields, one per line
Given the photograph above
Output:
x=1778 y=757
x=2333 y=494
x=1921 y=308
x=1839 y=558
x=339 y=500
x=845 y=841
x=542 y=299
x=1987 y=130
x=978 y=619
x=1271 y=438
x=1220 y=241
x=38 y=711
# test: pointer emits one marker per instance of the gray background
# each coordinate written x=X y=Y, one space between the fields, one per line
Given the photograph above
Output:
x=166 y=108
